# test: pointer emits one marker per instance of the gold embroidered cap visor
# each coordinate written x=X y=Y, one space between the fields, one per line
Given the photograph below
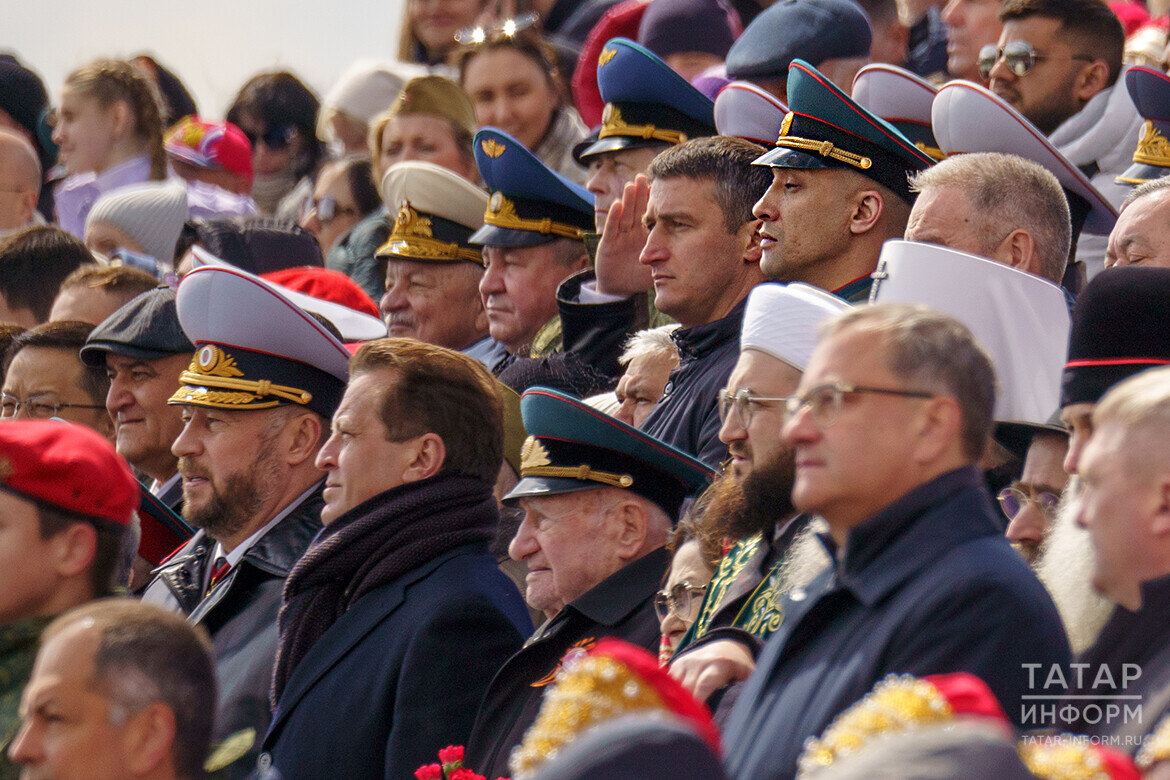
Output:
x=806 y=142
x=227 y=377
x=574 y=447
x=634 y=125
x=1151 y=159
x=515 y=221
x=418 y=235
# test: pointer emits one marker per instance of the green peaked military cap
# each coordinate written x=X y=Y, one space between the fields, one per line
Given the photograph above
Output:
x=572 y=447
x=825 y=128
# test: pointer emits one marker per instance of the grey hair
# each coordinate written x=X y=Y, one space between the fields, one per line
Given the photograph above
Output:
x=650 y=342
x=936 y=352
x=1009 y=193
x=1144 y=189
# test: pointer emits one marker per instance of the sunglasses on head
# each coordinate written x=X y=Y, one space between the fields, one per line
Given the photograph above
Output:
x=508 y=28
x=276 y=138
x=1019 y=56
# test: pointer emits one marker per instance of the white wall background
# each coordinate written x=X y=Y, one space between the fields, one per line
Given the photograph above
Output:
x=214 y=46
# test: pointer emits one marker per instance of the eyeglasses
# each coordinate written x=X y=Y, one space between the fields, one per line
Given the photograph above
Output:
x=1019 y=56
x=276 y=138
x=825 y=402
x=38 y=407
x=680 y=600
x=326 y=208
x=1013 y=500
x=744 y=404
x=476 y=35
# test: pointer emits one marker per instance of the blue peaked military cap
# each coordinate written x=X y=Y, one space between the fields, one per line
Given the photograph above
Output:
x=825 y=128
x=530 y=203
x=646 y=101
x=1150 y=91
x=572 y=447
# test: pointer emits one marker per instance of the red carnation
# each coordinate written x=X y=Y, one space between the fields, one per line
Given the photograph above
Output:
x=463 y=773
x=451 y=754
x=429 y=772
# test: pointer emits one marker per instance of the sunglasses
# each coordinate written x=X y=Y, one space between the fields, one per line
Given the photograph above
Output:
x=326 y=208
x=276 y=139
x=479 y=34
x=1019 y=56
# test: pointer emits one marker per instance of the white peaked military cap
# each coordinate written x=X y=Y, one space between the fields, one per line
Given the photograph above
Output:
x=1020 y=319
x=968 y=118
x=743 y=110
x=255 y=348
x=353 y=325
x=782 y=320
x=435 y=212
x=901 y=98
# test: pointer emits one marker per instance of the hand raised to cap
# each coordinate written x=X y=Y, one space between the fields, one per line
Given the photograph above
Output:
x=622 y=240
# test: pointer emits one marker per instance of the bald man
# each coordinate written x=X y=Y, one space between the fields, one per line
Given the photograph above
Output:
x=20 y=182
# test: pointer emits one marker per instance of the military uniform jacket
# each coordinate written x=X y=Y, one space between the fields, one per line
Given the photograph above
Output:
x=1140 y=639
x=927 y=585
x=620 y=606
x=687 y=417
x=240 y=615
x=400 y=674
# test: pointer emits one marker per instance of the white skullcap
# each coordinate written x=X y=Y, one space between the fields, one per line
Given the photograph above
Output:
x=366 y=89
x=152 y=214
x=1020 y=319
x=782 y=320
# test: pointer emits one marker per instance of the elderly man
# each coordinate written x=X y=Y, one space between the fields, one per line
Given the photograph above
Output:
x=139 y=685
x=971 y=25
x=649 y=357
x=1140 y=235
x=20 y=183
x=750 y=502
x=66 y=504
x=826 y=216
x=44 y=377
x=432 y=269
x=532 y=239
x=33 y=264
x=142 y=349
x=704 y=255
x=892 y=414
x=998 y=206
x=1125 y=468
x=599 y=498
x=255 y=397
x=400 y=641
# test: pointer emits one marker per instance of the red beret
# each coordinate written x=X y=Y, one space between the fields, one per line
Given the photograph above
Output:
x=326 y=284
x=67 y=466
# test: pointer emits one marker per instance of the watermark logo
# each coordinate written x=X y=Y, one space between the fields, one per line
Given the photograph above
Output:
x=1096 y=695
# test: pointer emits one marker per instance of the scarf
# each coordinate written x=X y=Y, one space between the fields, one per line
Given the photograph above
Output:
x=373 y=544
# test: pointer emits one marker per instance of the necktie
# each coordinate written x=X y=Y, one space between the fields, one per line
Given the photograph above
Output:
x=218 y=571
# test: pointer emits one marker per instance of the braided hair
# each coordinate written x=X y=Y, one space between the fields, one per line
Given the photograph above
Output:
x=109 y=81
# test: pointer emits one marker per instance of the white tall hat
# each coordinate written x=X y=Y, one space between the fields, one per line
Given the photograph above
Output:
x=782 y=320
x=1020 y=319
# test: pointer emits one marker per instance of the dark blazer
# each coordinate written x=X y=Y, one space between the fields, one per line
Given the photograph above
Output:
x=399 y=675
x=927 y=585
x=240 y=615
x=622 y=606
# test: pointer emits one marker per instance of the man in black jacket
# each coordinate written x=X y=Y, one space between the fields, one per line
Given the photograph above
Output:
x=599 y=498
x=255 y=398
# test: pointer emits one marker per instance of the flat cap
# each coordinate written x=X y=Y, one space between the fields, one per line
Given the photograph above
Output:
x=68 y=467
x=810 y=30
x=146 y=328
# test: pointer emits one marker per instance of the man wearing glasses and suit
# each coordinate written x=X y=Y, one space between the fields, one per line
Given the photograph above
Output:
x=888 y=422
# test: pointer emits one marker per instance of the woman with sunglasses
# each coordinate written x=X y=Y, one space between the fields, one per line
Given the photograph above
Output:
x=278 y=114
x=511 y=75
x=110 y=134
x=344 y=195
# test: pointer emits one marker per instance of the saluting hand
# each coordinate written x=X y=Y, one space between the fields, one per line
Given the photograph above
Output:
x=622 y=239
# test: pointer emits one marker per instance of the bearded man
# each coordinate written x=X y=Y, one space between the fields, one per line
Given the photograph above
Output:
x=264 y=381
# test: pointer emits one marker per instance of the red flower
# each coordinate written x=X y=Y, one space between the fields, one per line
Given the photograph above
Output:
x=429 y=772
x=451 y=754
x=463 y=773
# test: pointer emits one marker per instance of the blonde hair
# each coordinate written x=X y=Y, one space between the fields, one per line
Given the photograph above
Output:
x=110 y=81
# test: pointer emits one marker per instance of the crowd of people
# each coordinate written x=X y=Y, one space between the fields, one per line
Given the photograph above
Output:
x=682 y=388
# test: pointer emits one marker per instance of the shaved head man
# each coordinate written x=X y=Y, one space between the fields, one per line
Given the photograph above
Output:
x=20 y=182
